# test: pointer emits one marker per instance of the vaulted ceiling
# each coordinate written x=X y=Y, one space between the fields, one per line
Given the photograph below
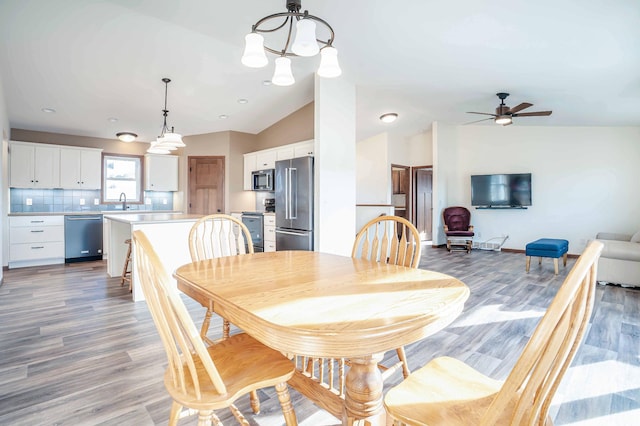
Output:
x=92 y=60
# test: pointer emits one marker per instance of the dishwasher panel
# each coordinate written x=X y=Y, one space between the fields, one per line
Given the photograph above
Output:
x=82 y=238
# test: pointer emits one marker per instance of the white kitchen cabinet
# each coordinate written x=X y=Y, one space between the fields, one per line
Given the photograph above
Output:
x=80 y=168
x=36 y=240
x=34 y=165
x=285 y=153
x=266 y=159
x=249 y=166
x=269 y=232
x=303 y=149
x=161 y=172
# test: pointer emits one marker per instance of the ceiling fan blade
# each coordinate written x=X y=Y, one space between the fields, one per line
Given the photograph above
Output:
x=532 y=114
x=477 y=121
x=483 y=113
x=520 y=107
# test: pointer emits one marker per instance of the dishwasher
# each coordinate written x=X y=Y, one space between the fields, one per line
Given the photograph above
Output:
x=82 y=237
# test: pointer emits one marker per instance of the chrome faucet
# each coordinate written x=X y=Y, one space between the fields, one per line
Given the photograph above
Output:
x=123 y=198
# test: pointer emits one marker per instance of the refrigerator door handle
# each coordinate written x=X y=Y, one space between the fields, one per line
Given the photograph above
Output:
x=286 y=193
x=293 y=193
x=279 y=231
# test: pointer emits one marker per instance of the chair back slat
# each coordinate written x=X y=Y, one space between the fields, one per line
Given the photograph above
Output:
x=219 y=235
x=550 y=350
x=388 y=239
x=185 y=349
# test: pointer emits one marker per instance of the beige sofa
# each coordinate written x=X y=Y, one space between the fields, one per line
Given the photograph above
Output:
x=620 y=260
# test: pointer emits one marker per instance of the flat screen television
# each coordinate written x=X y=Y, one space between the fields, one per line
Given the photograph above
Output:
x=503 y=190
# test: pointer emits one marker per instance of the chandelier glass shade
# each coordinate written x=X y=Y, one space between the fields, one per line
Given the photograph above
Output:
x=305 y=43
x=168 y=140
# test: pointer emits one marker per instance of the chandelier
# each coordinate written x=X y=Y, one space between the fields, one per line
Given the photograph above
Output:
x=168 y=140
x=304 y=44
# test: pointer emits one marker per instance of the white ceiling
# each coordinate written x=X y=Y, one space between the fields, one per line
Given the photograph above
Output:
x=426 y=60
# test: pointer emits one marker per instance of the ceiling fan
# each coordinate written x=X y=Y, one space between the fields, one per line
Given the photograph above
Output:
x=504 y=115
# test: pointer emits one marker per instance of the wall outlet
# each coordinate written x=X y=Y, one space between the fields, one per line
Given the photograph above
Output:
x=164 y=201
x=147 y=201
x=82 y=201
x=29 y=201
x=96 y=201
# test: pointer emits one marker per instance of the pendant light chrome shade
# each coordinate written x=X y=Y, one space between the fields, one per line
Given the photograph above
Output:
x=168 y=140
x=305 y=43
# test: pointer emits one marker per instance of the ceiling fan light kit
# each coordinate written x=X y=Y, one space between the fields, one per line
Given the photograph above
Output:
x=305 y=44
x=168 y=140
x=504 y=114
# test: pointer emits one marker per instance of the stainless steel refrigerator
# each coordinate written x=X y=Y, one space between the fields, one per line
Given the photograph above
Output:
x=294 y=204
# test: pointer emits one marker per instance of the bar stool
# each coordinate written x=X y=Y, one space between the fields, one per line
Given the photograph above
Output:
x=126 y=272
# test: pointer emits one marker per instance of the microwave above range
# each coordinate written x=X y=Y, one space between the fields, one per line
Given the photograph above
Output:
x=263 y=180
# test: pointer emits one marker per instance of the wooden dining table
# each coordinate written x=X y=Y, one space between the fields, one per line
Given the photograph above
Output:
x=328 y=306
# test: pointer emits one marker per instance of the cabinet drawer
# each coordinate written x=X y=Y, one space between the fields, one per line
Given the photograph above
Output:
x=269 y=246
x=36 y=251
x=269 y=220
x=34 y=234
x=269 y=233
x=36 y=221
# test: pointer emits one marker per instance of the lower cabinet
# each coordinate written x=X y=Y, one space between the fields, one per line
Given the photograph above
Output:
x=269 y=232
x=36 y=240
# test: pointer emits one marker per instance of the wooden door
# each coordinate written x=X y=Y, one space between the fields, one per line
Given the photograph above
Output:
x=423 y=178
x=206 y=185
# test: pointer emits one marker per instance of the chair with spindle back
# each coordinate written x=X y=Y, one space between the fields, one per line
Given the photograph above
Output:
x=203 y=378
x=213 y=236
x=449 y=392
x=393 y=240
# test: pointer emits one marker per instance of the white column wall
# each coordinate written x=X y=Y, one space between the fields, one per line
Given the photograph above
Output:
x=335 y=165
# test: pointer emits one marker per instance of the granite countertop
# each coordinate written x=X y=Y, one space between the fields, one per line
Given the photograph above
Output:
x=103 y=212
x=153 y=218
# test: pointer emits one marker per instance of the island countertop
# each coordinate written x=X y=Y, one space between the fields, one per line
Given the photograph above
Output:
x=144 y=218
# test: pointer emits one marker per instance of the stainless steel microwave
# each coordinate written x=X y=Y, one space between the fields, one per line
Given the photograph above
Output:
x=262 y=180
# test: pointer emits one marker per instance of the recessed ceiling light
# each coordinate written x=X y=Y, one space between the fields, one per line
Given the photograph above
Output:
x=126 y=136
x=243 y=101
x=223 y=116
x=48 y=110
x=389 y=117
x=266 y=83
x=112 y=119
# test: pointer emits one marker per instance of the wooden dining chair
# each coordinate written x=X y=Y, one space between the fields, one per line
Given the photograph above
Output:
x=201 y=378
x=449 y=392
x=393 y=240
x=213 y=236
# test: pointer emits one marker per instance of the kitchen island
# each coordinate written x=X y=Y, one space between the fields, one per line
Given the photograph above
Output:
x=168 y=232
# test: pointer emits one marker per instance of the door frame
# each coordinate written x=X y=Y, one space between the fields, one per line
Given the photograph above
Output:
x=414 y=194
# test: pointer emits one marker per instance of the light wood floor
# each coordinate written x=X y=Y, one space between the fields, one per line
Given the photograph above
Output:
x=75 y=350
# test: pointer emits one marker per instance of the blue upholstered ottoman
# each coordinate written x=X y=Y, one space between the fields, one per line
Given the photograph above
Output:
x=547 y=247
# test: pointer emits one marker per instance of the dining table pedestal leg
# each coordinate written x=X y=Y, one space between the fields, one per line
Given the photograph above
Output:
x=363 y=393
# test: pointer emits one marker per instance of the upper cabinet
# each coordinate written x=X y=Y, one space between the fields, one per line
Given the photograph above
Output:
x=160 y=172
x=34 y=165
x=266 y=159
x=80 y=168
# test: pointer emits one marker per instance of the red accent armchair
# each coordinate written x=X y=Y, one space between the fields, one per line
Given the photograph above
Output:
x=457 y=228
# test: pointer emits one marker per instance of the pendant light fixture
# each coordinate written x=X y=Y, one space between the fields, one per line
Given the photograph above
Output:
x=168 y=140
x=305 y=43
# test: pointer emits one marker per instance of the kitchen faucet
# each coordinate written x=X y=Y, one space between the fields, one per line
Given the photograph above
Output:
x=123 y=198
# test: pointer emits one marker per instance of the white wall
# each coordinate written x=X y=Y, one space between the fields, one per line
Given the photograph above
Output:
x=5 y=134
x=583 y=179
x=372 y=171
x=335 y=165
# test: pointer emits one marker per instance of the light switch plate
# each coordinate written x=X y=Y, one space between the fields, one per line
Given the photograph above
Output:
x=29 y=201
x=82 y=201
x=96 y=201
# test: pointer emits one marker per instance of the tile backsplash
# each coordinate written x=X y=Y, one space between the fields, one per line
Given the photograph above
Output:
x=68 y=200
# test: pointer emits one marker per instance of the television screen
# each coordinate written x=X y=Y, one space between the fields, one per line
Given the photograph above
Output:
x=510 y=190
